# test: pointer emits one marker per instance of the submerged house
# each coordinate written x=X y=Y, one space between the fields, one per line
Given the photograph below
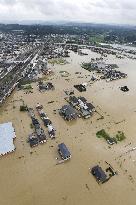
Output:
x=83 y=108
x=47 y=122
x=80 y=88
x=90 y=107
x=64 y=152
x=33 y=140
x=42 y=137
x=46 y=86
x=36 y=123
x=68 y=113
x=124 y=89
x=99 y=174
x=73 y=101
x=39 y=136
x=51 y=131
x=84 y=100
x=85 y=113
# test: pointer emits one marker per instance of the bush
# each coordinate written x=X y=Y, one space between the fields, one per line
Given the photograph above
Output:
x=27 y=87
x=31 y=126
x=102 y=133
x=120 y=136
x=23 y=108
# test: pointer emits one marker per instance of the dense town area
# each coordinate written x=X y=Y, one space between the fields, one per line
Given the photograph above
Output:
x=23 y=55
x=67 y=114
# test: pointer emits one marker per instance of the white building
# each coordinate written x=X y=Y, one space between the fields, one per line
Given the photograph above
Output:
x=7 y=136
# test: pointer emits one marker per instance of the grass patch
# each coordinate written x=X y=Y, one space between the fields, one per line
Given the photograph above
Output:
x=60 y=61
x=23 y=108
x=31 y=126
x=120 y=136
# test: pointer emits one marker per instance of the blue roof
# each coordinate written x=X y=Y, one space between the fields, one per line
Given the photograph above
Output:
x=64 y=150
x=99 y=173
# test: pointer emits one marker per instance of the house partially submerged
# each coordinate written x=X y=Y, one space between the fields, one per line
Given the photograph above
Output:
x=99 y=174
x=47 y=122
x=45 y=86
x=124 y=89
x=69 y=92
x=33 y=140
x=51 y=131
x=107 y=71
x=64 y=152
x=80 y=87
x=73 y=101
x=39 y=136
x=68 y=113
x=7 y=136
x=83 y=108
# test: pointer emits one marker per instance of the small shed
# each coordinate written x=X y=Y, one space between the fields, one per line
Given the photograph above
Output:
x=99 y=174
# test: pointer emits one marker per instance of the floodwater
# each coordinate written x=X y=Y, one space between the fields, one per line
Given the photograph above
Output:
x=31 y=176
x=126 y=47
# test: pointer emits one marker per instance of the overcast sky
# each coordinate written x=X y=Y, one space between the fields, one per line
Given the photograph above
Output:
x=93 y=11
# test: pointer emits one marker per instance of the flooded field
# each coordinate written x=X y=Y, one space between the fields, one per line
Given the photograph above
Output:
x=30 y=176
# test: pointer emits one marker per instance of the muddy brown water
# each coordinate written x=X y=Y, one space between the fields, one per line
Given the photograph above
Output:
x=31 y=176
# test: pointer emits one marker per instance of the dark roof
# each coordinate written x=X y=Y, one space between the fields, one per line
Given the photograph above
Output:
x=99 y=174
x=33 y=140
x=39 y=107
x=73 y=99
x=85 y=113
x=64 y=151
x=39 y=131
x=42 y=115
x=42 y=137
x=90 y=106
x=124 y=88
x=82 y=99
x=80 y=87
x=35 y=121
x=47 y=122
x=69 y=112
x=46 y=86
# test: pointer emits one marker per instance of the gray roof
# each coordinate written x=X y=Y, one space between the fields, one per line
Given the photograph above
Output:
x=69 y=112
x=7 y=135
x=85 y=112
x=73 y=99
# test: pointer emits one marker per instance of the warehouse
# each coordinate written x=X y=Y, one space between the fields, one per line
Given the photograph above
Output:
x=7 y=136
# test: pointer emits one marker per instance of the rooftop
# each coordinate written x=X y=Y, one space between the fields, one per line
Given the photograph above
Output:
x=99 y=174
x=64 y=151
x=7 y=135
x=69 y=112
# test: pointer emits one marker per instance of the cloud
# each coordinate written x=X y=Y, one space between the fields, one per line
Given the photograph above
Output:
x=99 y=11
